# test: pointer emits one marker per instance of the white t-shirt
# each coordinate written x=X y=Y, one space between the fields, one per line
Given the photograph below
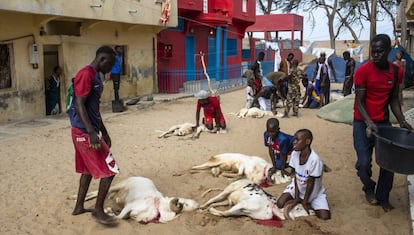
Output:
x=249 y=93
x=265 y=104
x=313 y=167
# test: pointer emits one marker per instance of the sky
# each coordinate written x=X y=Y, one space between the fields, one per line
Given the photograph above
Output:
x=321 y=31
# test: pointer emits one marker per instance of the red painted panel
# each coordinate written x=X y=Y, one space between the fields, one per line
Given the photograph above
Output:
x=220 y=12
x=277 y=22
x=190 y=5
x=248 y=16
x=223 y=6
x=176 y=60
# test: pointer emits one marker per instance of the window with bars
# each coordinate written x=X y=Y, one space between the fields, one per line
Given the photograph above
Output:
x=5 y=68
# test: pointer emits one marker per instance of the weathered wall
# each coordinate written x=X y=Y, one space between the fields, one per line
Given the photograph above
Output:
x=26 y=100
x=145 y=12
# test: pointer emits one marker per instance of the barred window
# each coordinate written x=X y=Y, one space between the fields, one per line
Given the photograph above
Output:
x=5 y=69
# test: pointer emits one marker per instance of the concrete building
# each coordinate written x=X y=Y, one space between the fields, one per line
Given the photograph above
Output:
x=36 y=36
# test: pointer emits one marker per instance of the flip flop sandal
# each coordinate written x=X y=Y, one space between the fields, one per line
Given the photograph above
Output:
x=110 y=222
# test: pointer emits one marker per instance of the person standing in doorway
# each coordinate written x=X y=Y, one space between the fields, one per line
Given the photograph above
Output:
x=53 y=92
x=90 y=137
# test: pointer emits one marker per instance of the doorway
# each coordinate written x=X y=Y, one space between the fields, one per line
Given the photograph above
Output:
x=190 y=58
x=52 y=81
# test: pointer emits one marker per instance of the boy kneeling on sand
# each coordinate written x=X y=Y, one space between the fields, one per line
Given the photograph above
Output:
x=307 y=170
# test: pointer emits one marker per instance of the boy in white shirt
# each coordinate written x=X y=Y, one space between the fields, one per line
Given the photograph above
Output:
x=307 y=170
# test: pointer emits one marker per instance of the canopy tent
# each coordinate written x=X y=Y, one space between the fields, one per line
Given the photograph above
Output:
x=280 y=23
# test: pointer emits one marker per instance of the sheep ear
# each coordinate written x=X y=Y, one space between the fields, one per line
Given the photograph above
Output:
x=176 y=206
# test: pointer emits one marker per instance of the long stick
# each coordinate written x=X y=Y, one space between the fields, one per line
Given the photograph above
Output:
x=205 y=72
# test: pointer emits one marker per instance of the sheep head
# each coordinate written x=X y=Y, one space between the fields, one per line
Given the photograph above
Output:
x=176 y=206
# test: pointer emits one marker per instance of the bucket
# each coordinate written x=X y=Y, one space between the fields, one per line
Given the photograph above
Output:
x=394 y=149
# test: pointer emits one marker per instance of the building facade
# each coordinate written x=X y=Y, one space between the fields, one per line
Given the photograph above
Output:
x=207 y=40
x=36 y=36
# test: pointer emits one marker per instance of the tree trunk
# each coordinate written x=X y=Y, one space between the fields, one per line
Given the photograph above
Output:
x=403 y=39
x=331 y=18
x=373 y=19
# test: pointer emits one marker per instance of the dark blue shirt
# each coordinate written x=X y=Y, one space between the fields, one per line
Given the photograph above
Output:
x=283 y=143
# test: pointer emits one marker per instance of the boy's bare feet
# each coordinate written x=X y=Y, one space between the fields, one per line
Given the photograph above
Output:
x=105 y=219
x=78 y=211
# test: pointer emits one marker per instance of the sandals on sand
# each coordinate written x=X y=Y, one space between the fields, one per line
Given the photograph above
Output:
x=386 y=206
x=371 y=198
x=110 y=221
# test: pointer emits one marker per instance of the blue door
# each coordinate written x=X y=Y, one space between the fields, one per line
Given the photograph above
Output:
x=211 y=57
x=190 y=68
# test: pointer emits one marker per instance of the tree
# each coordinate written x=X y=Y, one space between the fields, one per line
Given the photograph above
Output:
x=310 y=5
x=341 y=14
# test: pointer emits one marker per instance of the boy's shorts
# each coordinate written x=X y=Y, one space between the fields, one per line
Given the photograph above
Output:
x=98 y=163
x=208 y=119
x=318 y=203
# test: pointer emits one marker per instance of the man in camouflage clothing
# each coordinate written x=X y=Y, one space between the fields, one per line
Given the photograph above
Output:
x=293 y=94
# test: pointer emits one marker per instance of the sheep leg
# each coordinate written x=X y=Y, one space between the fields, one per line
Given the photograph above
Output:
x=234 y=211
x=232 y=175
x=220 y=197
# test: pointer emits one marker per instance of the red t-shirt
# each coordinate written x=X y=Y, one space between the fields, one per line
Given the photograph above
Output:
x=211 y=107
x=378 y=84
x=83 y=81
x=87 y=83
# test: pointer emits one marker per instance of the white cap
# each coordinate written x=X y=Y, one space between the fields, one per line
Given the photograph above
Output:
x=202 y=94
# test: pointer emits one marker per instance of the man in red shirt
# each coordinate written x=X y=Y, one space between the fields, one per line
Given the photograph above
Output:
x=376 y=88
x=212 y=110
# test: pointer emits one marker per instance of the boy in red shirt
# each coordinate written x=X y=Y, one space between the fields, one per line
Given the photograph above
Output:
x=212 y=110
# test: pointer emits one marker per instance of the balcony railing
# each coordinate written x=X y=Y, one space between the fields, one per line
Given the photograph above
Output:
x=191 y=81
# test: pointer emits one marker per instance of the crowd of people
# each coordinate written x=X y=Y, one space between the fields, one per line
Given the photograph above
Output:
x=265 y=92
x=376 y=84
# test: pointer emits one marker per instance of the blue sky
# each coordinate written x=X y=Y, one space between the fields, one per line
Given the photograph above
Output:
x=320 y=32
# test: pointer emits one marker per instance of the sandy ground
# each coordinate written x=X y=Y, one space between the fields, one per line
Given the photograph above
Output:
x=37 y=174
